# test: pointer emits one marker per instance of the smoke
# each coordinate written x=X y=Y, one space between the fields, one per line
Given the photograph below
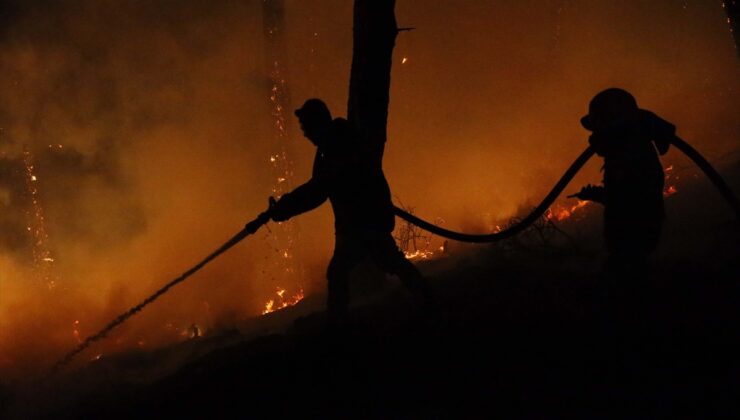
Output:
x=162 y=112
x=147 y=126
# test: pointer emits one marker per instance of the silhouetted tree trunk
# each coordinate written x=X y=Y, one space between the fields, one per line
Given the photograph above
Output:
x=732 y=8
x=374 y=36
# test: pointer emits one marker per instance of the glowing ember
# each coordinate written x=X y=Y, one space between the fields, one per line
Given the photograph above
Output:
x=76 y=331
x=283 y=236
x=283 y=301
x=37 y=224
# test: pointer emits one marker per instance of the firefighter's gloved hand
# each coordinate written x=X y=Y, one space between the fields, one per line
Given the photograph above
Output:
x=263 y=218
x=278 y=217
x=590 y=193
x=255 y=224
x=278 y=211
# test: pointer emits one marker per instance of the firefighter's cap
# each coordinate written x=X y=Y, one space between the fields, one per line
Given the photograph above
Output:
x=313 y=108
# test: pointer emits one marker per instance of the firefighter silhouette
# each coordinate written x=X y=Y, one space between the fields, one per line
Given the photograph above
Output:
x=630 y=140
x=361 y=202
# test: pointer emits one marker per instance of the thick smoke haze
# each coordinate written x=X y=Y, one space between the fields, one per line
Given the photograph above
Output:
x=161 y=109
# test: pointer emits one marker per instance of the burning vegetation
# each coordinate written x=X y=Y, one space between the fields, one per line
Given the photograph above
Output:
x=283 y=300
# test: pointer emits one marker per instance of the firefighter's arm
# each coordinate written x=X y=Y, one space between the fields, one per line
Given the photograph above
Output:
x=302 y=199
x=590 y=193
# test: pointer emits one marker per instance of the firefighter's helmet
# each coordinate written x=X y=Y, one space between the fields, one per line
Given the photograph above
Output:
x=609 y=106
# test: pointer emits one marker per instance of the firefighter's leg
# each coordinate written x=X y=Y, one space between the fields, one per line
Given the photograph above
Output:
x=386 y=254
x=337 y=275
x=630 y=245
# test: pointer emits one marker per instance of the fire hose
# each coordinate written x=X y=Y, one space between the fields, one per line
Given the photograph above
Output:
x=513 y=230
x=249 y=229
x=264 y=217
x=576 y=166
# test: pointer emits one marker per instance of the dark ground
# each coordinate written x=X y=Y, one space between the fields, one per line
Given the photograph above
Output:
x=528 y=329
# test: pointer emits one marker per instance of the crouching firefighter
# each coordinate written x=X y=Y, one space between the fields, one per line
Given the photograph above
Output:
x=361 y=202
x=630 y=140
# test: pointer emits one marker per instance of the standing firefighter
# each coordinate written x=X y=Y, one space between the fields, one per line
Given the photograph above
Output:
x=629 y=139
x=361 y=201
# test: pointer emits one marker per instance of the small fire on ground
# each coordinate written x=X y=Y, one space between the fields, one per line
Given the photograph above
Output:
x=282 y=301
x=423 y=254
x=670 y=178
x=559 y=213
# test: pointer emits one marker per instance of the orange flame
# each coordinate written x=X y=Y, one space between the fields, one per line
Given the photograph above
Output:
x=283 y=301
x=670 y=189
x=561 y=213
x=418 y=254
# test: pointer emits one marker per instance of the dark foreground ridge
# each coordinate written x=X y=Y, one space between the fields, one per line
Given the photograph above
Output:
x=530 y=347
x=527 y=329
